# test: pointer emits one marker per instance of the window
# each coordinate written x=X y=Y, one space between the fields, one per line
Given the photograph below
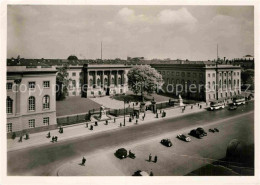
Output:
x=225 y=74
x=31 y=103
x=31 y=85
x=234 y=73
x=168 y=72
x=98 y=82
x=120 y=80
x=46 y=84
x=31 y=123
x=234 y=82
x=209 y=85
x=177 y=73
x=46 y=121
x=9 y=127
x=112 y=80
x=219 y=83
x=237 y=73
x=220 y=74
x=163 y=72
x=213 y=84
x=121 y=91
x=213 y=74
x=229 y=82
x=91 y=82
x=9 y=105
x=183 y=74
x=237 y=82
x=209 y=75
x=221 y=95
x=9 y=85
x=46 y=102
x=73 y=74
x=209 y=96
x=73 y=83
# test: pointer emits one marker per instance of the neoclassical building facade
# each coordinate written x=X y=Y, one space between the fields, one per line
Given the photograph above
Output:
x=205 y=82
x=101 y=80
x=31 y=100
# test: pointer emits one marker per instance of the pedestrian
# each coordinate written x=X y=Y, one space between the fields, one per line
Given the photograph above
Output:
x=200 y=106
x=48 y=135
x=114 y=120
x=21 y=139
x=136 y=121
x=160 y=111
x=53 y=139
x=155 y=159
x=130 y=119
x=27 y=136
x=150 y=158
x=86 y=125
x=182 y=110
x=120 y=124
x=143 y=118
x=191 y=107
x=157 y=116
x=151 y=173
x=96 y=123
x=56 y=138
x=144 y=115
x=83 y=161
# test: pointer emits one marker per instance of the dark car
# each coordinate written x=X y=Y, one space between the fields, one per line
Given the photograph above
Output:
x=232 y=107
x=121 y=153
x=196 y=133
x=216 y=130
x=140 y=173
x=183 y=137
x=202 y=131
x=212 y=130
x=166 y=142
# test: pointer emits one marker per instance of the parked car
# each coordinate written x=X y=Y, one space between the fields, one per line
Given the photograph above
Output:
x=202 y=131
x=232 y=107
x=140 y=173
x=211 y=130
x=121 y=153
x=216 y=130
x=183 y=137
x=196 y=133
x=166 y=142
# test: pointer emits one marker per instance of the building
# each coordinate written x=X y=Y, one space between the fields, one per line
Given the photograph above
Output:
x=101 y=79
x=201 y=81
x=31 y=100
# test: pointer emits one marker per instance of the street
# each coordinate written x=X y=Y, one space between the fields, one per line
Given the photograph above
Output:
x=43 y=160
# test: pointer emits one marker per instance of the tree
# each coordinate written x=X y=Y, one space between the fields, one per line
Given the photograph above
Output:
x=144 y=78
x=247 y=77
x=62 y=82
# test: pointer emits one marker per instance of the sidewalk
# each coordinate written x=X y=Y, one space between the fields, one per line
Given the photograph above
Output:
x=79 y=130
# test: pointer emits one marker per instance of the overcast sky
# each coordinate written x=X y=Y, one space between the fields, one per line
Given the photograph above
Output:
x=176 y=32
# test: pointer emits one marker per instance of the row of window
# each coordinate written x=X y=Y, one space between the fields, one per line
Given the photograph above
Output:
x=31 y=124
x=31 y=85
x=226 y=95
x=31 y=103
x=189 y=74
x=75 y=74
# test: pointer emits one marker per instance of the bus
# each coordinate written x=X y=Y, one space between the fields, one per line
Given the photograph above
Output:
x=215 y=105
x=239 y=100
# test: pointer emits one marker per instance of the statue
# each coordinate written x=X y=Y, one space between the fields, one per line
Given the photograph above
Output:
x=181 y=101
x=102 y=114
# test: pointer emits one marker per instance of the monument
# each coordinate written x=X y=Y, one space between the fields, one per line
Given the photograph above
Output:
x=102 y=114
x=181 y=101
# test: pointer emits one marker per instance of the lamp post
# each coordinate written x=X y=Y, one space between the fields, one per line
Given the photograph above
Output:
x=124 y=110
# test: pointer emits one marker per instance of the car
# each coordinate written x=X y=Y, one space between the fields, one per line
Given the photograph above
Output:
x=183 y=137
x=215 y=105
x=202 y=131
x=216 y=130
x=140 y=173
x=166 y=142
x=212 y=130
x=196 y=133
x=232 y=107
x=121 y=153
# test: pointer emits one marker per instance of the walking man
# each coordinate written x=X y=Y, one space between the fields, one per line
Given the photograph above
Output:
x=21 y=139
x=53 y=139
x=48 y=135
x=150 y=158
x=114 y=120
x=155 y=159
x=83 y=161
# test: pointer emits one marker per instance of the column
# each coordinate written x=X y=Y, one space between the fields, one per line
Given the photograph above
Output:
x=232 y=80
x=102 y=79
x=17 y=97
x=95 y=79
x=109 y=78
x=116 y=78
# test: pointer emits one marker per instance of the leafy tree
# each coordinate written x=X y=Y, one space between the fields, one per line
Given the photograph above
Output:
x=144 y=78
x=62 y=82
x=247 y=77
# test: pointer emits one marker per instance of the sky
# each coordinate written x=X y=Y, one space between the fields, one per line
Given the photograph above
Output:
x=176 y=32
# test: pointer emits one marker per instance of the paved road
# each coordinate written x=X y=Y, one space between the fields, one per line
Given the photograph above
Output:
x=45 y=159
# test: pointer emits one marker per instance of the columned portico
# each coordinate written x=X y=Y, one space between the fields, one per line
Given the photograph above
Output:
x=106 y=79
